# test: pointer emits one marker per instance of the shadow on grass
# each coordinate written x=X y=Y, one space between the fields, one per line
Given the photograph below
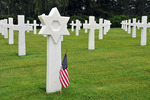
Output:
x=43 y=89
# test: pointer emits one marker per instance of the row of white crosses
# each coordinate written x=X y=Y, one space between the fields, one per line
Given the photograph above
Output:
x=4 y=24
x=21 y=27
x=144 y=25
x=54 y=27
x=77 y=25
x=126 y=25
x=103 y=25
x=92 y=26
x=34 y=25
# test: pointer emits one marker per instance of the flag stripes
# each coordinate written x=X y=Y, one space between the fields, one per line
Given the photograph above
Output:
x=63 y=73
x=64 y=78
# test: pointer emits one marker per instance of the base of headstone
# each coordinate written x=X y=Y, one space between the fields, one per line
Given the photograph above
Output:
x=134 y=32
x=21 y=42
x=77 y=32
x=100 y=36
x=11 y=37
x=6 y=34
x=91 y=43
x=101 y=33
x=34 y=30
x=143 y=37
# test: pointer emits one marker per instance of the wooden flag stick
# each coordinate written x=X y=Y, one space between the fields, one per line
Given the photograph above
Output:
x=61 y=90
x=66 y=51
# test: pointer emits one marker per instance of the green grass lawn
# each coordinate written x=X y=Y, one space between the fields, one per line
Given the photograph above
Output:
x=118 y=69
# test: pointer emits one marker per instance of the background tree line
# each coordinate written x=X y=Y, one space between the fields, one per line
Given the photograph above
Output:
x=114 y=10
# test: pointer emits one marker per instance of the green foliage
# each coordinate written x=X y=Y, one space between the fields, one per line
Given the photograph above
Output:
x=74 y=18
x=5 y=16
x=107 y=9
x=30 y=19
x=81 y=18
x=118 y=69
x=116 y=20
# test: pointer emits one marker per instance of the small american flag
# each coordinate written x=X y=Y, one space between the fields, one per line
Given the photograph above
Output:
x=63 y=73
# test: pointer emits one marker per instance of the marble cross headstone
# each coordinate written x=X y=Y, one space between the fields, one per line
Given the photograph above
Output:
x=91 y=26
x=138 y=23
x=85 y=24
x=72 y=26
x=1 y=24
x=144 y=25
x=126 y=26
x=28 y=24
x=129 y=26
x=2 y=27
x=121 y=24
x=108 y=25
x=11 y=34
x=105 y=28
x=133 y=24
x=54 y=26
x=101 y=28
x=5 y=29
x=34 y=26
x=21 y=27
x=78 y=25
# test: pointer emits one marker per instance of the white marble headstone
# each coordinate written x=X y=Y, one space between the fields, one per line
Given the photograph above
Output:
x=101 y=28
x=91 y=26
x=11 y=33
x=126 y=27
x=129 y=26
x=133 y=24
x=34 y=26
x=105 y=28
x=138 y=23
x=78 y=25
x=54 y=26
x=5 y=28
x=72 y=25
x=21 y=27
x=144 y=25
x=85 y=24
x=28 y=24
